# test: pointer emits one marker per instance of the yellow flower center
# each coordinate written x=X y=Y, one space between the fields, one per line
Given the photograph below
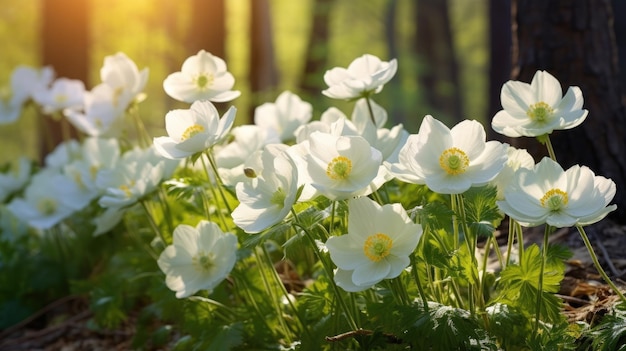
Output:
x=191 y=131
x=205 y=80
x=554 y=199
x=47 y=206
x=117 y=93
x=454 y=161
x=203 y=261
x=339 y=168
x=60 y=98
x=377 y=246
x=540 y=112
x=126 y=188
x=93 y=171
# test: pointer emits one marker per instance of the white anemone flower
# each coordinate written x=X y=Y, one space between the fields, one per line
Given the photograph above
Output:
x=516 y=159
x=48 y=199
x=269 y=196
x=200 y=258
x=387 y=141
x=136 y=175
x=99 y=115
x=377 y=245
x=332 y=121
x=340 y=167
x=64 y=93
x=97 y=154
x=450 y=161
x=16 y=177
x=122 y=75
x=242 y=151
x=548 y=194
x=63 y=154
x=202 y=77
x=25 y=83
x=285 y=115
x=538 y=108
x=193 y=130
x=364 y=76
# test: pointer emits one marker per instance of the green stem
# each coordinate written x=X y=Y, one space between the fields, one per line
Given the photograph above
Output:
x=243 y=284
x=520 y=241
x=142 y=133
x=333 y=208
x=545 y=139
x=470 y=241
x=544 y=257
x=230 y=315
x=498 y=252
x=274 y=300
x=214 y=194
x=280 y=284
x=218 y=179
x=167 y=211
x=153 y=223
x=594 y=258
x=509 y=242
x=329 y=272
x=371 y=111
x=420 y=288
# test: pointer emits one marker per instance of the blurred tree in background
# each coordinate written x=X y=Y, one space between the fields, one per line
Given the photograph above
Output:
x=453 y=55
x=575 y=41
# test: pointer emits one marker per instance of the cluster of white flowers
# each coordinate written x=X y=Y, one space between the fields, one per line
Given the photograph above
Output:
x=285 y=158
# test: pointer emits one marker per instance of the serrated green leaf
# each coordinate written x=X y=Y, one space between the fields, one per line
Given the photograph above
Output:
x=228 y=337
x=434 y=216
x=482 y=213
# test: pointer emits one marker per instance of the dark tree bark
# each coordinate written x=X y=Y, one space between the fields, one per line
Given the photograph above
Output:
x=316 y=58
x=391 y=13
x=208 y=27
x=574 y=41
x=499 y=56
x=439 y=72
x=65 y=47
x=263 y=73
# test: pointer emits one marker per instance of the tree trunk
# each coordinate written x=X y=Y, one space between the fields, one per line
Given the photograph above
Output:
x=574 y=41
x=316 y=58
x=65 y=47
x=208 y=27
x=499 y=56
x=263 y=74
x=439 y=72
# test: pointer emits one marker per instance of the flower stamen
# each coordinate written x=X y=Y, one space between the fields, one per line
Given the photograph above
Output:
x=203 y=261
x=339 y=168
x=47 y=206
x=454 y=161
x=540 y=112
x=191 y=131
x=205 y=80
x=377 y=246
x=554 y=199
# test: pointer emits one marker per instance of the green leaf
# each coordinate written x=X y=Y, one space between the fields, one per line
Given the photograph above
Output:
x=529 y=270
x=434 y=216
x=228 y=337
x=519 y=285
x=481 y=210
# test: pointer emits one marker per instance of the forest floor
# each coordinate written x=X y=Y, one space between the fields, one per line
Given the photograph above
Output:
x=64 y=325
